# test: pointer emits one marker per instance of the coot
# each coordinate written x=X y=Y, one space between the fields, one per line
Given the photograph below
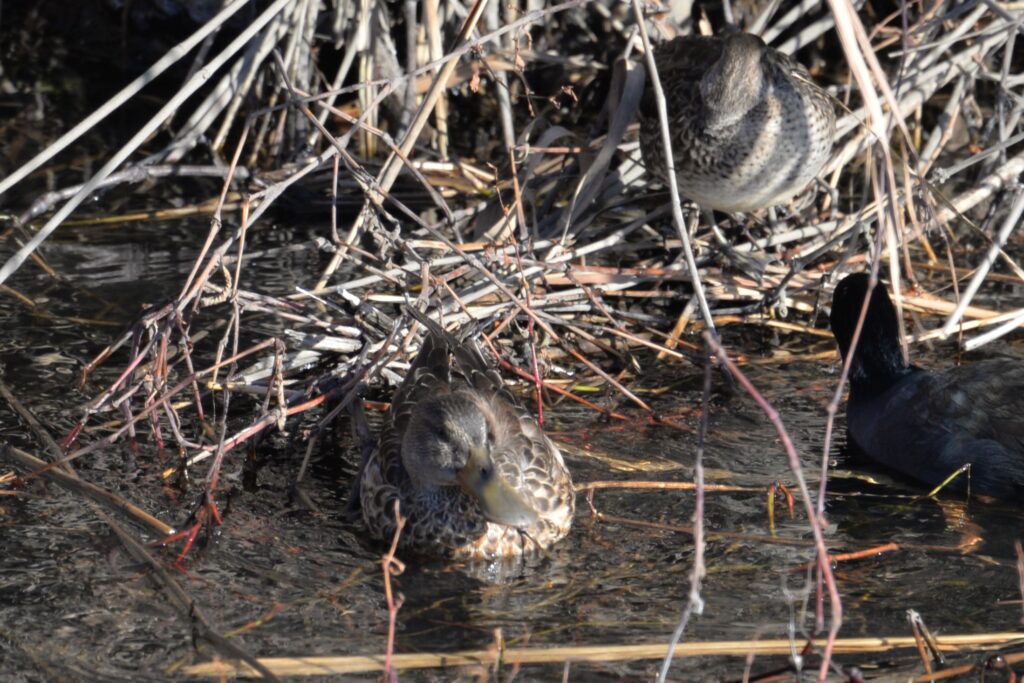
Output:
x=928 y=423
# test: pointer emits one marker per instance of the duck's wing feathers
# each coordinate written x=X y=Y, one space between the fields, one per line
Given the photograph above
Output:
x=429 y=375
x=532 y=464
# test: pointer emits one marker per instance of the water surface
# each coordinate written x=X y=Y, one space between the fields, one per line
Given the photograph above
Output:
x=284 y=580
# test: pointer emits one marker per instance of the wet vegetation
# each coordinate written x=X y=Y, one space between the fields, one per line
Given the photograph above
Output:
x=216 y=219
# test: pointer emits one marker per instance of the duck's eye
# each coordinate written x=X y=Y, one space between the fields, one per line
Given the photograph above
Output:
x=486 y=473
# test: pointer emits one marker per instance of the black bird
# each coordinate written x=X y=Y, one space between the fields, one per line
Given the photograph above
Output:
x=928 y=423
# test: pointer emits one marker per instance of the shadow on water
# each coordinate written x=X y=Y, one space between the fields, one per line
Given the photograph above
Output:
x=285 y=581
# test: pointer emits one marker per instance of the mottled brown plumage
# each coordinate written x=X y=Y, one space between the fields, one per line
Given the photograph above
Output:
x=749 y=128
x=450 y=409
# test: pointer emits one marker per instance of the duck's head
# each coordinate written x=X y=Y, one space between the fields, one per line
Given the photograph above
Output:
x=877 y=361
x=735 y=83
x=447 y=444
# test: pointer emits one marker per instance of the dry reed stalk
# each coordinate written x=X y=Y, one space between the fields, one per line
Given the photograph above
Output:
x=15 y=261
x=327 y=665
x=662 y=486
x=682 y=227
x=38 y=467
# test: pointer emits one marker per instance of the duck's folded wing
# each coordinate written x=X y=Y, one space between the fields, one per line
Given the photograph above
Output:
x=530 y=462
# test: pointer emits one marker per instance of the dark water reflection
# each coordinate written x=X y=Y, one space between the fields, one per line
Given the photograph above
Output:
x=281 y=581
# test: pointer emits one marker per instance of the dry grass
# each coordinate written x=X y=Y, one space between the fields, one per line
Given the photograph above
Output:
x=321 y=666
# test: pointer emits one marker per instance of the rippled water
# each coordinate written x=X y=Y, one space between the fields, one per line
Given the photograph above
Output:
x=284 y=581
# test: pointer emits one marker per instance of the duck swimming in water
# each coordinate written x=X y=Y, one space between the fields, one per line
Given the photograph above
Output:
x=475 y=476
x=749 y=127
x=927 y=424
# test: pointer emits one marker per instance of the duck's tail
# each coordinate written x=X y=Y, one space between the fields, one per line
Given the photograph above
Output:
x=440 y=342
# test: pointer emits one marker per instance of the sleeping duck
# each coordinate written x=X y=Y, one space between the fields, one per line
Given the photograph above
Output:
x=475 y=476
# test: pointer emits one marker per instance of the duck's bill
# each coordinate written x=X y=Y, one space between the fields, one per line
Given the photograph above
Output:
x=499 y=502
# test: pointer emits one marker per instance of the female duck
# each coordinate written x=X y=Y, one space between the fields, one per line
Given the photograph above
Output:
x=749 y=128
x=927 y=424
x=475 y=476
